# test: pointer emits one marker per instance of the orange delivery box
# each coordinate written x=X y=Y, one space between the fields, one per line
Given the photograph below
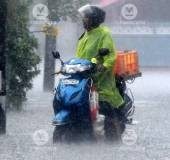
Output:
x=127 y=64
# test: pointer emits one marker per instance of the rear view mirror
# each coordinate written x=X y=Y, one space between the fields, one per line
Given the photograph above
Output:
x=56 y=54
x=103 y=52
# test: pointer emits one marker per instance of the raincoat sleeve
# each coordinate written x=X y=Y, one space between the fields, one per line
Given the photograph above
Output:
x=107 y=42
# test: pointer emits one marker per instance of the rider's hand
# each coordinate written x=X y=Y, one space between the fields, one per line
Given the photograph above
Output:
x=101 y=68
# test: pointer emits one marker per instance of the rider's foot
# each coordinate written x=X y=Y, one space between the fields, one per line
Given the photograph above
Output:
x=131 y=122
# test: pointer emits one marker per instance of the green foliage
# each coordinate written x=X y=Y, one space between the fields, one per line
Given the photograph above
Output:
x=21 y=57
x=65 y=9
x=3 y=12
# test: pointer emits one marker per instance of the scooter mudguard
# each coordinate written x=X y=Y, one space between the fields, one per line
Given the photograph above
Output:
x=62 y=117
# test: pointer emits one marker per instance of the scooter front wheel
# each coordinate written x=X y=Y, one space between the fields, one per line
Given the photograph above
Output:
x=61 y=134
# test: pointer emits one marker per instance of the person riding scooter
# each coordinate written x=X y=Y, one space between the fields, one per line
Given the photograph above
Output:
x=95 y=40
x=96 y=37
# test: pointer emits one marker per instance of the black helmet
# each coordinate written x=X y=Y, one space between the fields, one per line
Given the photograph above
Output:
x=94 y=13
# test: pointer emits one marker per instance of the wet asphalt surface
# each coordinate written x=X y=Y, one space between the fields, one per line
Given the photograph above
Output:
x=150 y=140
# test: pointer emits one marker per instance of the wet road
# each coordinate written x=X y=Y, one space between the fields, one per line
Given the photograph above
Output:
x=150 y=141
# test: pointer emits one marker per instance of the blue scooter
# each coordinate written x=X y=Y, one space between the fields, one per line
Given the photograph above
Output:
x=73 y=115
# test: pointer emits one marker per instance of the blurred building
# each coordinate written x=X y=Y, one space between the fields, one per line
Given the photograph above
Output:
x=143 y=25
x=148 y=10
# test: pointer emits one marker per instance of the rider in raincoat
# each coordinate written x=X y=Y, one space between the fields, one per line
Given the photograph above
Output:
x=94 y=38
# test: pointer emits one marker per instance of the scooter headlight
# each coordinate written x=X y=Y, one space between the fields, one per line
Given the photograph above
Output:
x=70 y=69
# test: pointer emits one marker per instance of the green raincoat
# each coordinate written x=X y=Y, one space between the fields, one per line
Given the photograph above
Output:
x=87 y=48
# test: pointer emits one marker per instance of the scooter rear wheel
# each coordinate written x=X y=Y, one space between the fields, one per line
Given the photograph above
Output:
x=113 y=128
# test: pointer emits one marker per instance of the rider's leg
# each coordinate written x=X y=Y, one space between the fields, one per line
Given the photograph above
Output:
x=108 y=110
x=113 y=125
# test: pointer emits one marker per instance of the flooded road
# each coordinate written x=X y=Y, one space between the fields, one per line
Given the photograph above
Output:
x=26 y=129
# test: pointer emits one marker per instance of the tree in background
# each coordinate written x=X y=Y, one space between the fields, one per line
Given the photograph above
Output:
x=20 y=50
x=59 y=10
x=65 y=9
